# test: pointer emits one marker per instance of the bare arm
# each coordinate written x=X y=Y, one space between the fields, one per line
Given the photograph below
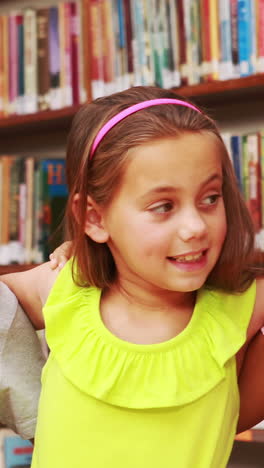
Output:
x=32 y=288
x=251 y=385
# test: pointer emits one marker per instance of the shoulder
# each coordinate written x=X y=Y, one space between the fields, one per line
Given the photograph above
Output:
x=32 y=288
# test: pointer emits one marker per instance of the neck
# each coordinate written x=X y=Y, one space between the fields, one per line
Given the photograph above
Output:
x=133 y=297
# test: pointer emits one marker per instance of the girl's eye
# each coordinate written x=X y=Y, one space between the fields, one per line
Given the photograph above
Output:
x=211 y=199
x=162 y=208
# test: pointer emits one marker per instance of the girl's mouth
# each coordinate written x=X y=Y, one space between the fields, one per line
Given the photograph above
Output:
x=188 y=258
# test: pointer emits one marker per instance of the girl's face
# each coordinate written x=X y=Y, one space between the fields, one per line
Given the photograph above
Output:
x=167 y=222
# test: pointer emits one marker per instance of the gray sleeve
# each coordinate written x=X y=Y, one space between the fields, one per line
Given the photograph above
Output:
x=21 y=362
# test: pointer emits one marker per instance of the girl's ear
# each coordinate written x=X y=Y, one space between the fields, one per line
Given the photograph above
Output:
x=94 y=226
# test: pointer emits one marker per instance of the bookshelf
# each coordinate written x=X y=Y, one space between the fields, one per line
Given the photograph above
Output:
x=52 y=125
x=234 y=103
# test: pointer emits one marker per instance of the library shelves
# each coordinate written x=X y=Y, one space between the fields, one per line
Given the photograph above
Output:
x=210 y=94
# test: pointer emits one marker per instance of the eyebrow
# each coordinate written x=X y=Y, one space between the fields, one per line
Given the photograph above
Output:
x=171 y=188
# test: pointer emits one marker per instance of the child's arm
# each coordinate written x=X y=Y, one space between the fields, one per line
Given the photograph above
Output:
x=32 y=288
x=251 y=385
x=21 y=362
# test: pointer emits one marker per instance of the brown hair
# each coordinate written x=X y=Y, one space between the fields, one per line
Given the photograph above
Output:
x=100 y=177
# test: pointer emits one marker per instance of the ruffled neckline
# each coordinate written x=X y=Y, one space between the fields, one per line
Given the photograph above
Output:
x=110 y=338
x=171 y=373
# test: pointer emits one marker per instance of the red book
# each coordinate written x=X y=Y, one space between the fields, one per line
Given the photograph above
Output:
x=75 y=53
x=260 y=35
x=206 y=40
x=129 y=35
x=182 y=44
x=96 y=41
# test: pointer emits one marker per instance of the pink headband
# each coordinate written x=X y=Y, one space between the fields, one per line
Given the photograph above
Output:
x=130 y=110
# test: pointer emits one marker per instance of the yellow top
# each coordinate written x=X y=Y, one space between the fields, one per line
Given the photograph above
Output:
x=109 y=403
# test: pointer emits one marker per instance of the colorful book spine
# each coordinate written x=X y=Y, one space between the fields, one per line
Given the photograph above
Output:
x=13 y=62
x=54 y=196
x=96 y=44
x=119 y=7
x=245 y=37
x=6 y=167
x=75 y=53
x=2 y=71
x=14 y=199
x=182 y=43
x=206 y=40
x=236 y=151
x=108 y=47
x=254 y=201
x=129 y=39
x=226 y=64
x=176 y=79
x=5 y=95
x=260 y=35
x=54 y=58
x=214 y=38
x=80 y=32
x=196 y=46
x=262 y=175
x=30 y=61
x=20 y=101
x=234 y=37
x=29 y=167
x=43 y=59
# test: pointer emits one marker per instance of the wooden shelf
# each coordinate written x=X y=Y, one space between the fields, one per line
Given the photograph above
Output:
x=43 y=120
x=215 y=92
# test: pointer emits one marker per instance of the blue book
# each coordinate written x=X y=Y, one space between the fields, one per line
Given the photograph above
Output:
x=53 y=194
x=226 y=71
x=245 y=37
x=236 y=151
x=17 y=452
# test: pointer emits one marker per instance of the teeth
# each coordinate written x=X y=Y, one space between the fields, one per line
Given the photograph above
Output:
x=188 y=258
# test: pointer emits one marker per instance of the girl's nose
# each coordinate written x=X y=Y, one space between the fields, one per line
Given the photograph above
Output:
x=191 y=225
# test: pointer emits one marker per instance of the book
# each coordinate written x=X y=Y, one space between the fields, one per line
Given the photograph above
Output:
x=174 y=45
x=214 y=38
x=260 y=35
x=226 y=64
x=20 y=101
x=54 y=58
x=17 y=452
x=254 y=170
x=234 y=38
x=5 y=65
x=182 y=43
x=129 y=38
x=43 y=59
x=30 y=61
x=245 y=36
x=53 y=196
x=236 y=151
x=75 y=53
x=12 y=62
x=2 y=71
x=96 y=45
x=108 y=47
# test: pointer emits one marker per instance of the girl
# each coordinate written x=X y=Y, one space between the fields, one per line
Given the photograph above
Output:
x=149 y=322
